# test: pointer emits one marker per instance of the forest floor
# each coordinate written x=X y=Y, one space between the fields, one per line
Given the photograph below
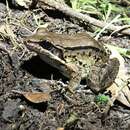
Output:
x=25 y=72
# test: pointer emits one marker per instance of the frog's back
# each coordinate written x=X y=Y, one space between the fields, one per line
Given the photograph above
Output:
x=79 y=40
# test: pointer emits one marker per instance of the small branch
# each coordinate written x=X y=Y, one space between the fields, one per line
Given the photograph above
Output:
x=86 y=18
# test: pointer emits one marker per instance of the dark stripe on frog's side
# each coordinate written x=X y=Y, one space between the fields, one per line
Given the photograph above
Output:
x=50 y=47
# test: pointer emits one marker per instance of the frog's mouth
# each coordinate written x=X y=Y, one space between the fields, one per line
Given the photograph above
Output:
x=40 y=69
x=48 y=46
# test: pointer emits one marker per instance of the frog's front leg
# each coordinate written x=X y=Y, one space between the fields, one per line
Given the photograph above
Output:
x=69 y=70
x=74 y=75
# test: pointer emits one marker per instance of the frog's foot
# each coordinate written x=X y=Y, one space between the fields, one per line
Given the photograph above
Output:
x=75 y=77
x=102 y=76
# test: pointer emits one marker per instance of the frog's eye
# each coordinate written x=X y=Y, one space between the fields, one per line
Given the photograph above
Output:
x=46 y=45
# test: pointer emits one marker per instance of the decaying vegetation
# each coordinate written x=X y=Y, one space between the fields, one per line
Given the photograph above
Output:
x=33 y=94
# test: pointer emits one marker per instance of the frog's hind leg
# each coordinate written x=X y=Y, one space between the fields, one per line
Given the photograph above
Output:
x=102 y=76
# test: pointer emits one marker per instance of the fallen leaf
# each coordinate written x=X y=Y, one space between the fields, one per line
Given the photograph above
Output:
x=23 y=3
x=122 y=98
x=119 y=89
x=35 y=97
x=2 y=29
x=60 y=128
x=26 y=3
x=117 y=94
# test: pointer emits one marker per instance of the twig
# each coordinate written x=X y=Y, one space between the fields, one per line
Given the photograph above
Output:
x=109 y=24
x=119 y=30
x=85 y=18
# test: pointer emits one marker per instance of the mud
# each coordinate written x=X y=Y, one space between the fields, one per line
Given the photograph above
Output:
x=26 y=72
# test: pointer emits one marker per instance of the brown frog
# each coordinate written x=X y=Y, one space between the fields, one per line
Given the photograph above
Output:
x=76 y=56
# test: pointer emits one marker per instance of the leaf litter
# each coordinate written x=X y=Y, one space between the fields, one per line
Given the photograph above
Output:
x=53 y=120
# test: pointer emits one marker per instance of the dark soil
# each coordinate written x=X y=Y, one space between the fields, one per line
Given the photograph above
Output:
x=28 y=73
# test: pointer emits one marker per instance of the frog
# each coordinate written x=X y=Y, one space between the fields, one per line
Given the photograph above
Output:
x=77 y=56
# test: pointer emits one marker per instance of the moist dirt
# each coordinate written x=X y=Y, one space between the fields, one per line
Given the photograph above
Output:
x=23 y=70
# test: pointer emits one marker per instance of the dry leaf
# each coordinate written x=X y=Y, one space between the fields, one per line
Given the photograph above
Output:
x=35 y=97
x=119 y=89
x=117 y=94
x=121 y=97
x=3 y=28
x=26 y=3
x=60 y=128
x=23 y=3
